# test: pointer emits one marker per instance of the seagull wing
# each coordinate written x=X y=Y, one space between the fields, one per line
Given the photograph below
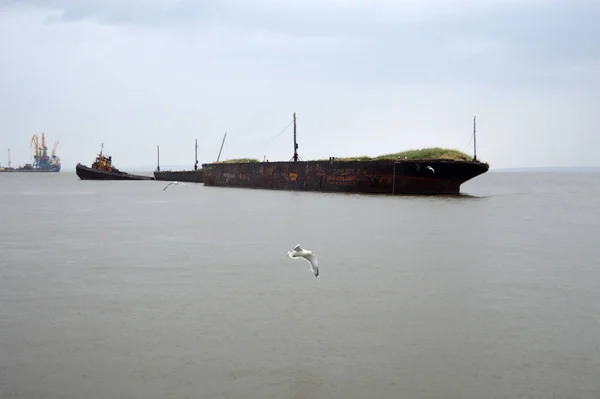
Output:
x=314 y=263
x=297 y=248
x=167 y=186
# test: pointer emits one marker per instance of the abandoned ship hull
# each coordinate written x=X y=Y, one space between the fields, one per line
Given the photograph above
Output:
x=369 y=177
x=87 y=173
x=191 y=176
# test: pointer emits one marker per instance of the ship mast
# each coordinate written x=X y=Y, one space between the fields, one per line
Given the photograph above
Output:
x=196 y=164
x=9 y=157
x=295 y=157
x=474 y=140
x=157 y=158
x=219 y=156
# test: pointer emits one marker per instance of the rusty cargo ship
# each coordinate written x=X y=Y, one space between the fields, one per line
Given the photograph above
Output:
x=399 y=175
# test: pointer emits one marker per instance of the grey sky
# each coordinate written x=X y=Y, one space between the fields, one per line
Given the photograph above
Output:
x=365 y=77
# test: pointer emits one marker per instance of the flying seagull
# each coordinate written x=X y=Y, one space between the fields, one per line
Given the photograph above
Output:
x=431 y=169
x=176 y=183
x=299 y=252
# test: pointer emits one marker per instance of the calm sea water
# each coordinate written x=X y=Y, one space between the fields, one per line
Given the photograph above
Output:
x=122 y=290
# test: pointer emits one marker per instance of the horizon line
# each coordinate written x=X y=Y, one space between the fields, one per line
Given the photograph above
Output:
x=180 y=167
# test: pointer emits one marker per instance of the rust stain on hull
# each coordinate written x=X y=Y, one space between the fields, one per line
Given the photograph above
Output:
x=374 y=177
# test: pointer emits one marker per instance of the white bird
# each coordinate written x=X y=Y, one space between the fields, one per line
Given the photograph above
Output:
x=431 y=169
x=301 y=253
x=176 y=183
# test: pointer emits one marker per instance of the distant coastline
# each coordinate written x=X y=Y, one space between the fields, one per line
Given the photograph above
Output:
x=550 y=169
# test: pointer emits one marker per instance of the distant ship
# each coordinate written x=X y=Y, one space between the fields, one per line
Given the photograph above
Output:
x=42 y=162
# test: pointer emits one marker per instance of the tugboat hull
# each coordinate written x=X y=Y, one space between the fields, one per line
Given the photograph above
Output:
x=87 y=173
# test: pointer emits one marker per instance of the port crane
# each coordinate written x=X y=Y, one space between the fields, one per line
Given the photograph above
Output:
x=36 y=146
x=41 y=159
x=54 y=149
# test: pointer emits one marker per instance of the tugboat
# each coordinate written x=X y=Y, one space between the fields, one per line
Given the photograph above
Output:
x=102 y=169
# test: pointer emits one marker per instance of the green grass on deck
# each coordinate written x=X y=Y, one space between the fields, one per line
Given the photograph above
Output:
x=417 y=154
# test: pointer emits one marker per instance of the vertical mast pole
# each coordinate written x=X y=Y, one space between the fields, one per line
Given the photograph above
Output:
x=295 y=142
x=196 y=163
x=158 y=158
x=474 y=140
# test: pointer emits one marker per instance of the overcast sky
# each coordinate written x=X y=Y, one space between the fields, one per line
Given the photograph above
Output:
x=365 y=77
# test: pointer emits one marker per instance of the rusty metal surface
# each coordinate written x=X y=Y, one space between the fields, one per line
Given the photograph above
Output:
x=377 y=177
x=191 y=176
